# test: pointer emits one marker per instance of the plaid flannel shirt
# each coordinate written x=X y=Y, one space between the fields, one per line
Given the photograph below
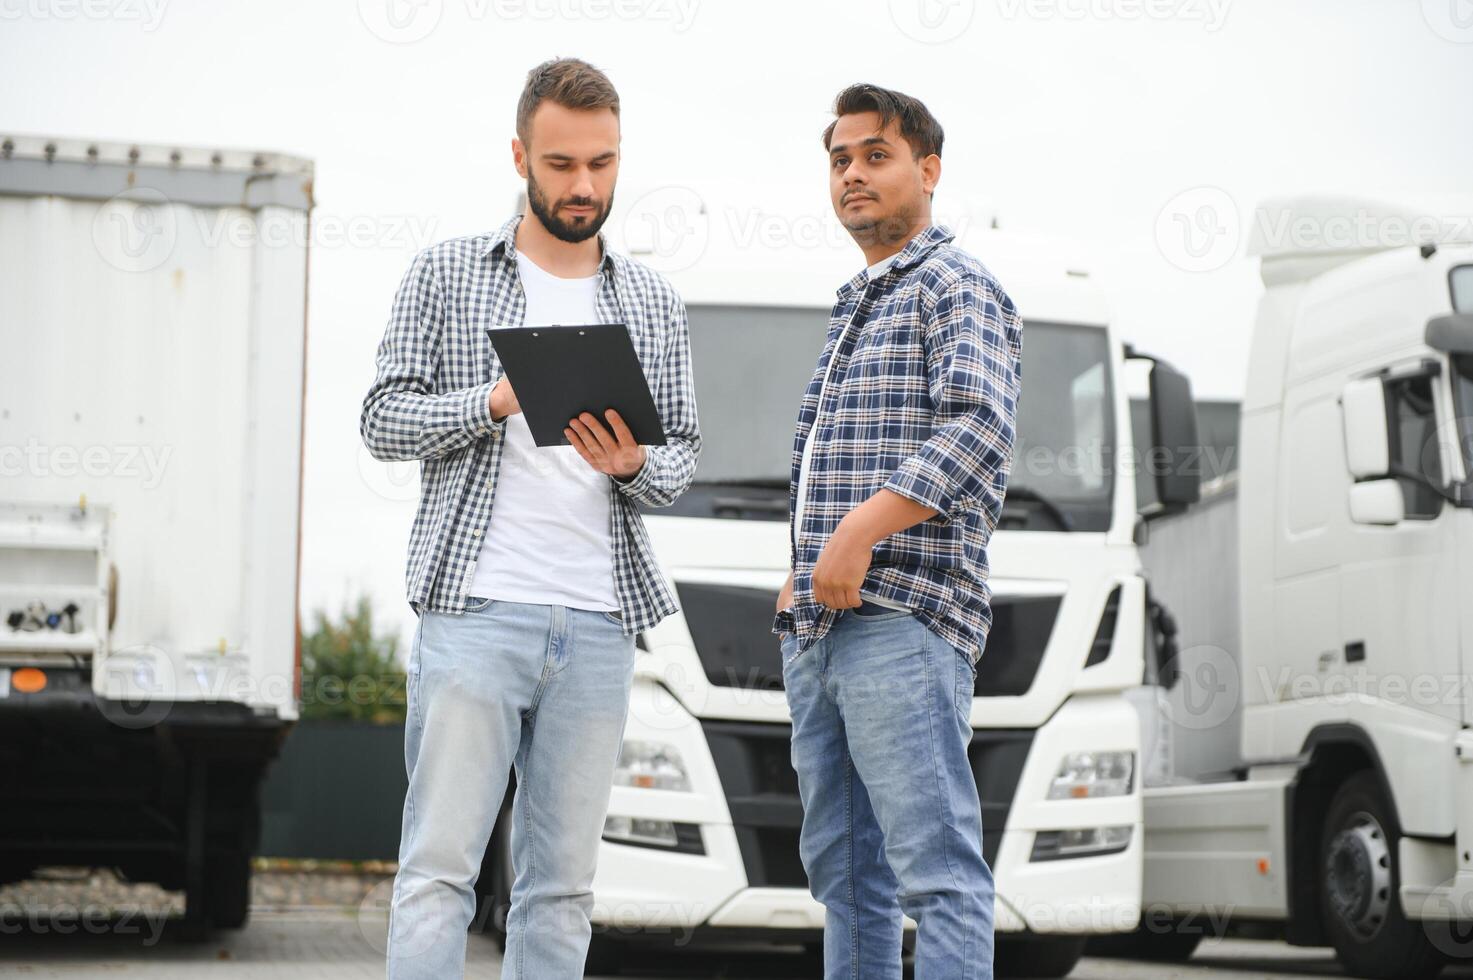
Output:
x=921 y=401
x=430 y=401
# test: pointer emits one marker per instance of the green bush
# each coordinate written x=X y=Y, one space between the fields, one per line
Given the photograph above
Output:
x=349 y=673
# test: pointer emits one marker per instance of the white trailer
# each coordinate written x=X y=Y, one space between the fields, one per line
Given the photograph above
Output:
x=701 y=843
x=1323 y=764
x=154 y=316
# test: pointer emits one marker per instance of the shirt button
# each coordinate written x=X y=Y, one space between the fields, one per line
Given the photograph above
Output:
x=476 y=532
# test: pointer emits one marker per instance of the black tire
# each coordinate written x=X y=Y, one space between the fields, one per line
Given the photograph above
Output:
x=1040 y=956
x=605 y=956
x=228 y=888
x=1358 y=880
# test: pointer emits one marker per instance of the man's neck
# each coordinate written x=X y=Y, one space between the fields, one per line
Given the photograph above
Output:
x=875 y=251
x=567 y=260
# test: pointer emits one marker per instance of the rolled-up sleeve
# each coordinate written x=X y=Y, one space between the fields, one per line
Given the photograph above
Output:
x=669 y=469
x=403 y=417
x=973 y=343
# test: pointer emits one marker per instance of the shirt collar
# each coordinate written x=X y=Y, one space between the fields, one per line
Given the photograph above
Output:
x=505 y=241
x=914 y=251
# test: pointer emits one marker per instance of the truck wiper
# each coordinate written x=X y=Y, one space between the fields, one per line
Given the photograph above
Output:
x=1032 y=496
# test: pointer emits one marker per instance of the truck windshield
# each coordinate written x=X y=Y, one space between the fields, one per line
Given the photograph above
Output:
x=753 y=363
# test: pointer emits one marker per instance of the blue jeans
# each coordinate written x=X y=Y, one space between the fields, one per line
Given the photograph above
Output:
x=541 y=687
x=891 y=818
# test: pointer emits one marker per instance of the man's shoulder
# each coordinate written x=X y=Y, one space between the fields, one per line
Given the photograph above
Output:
x=453 y=253
x=949 y=264
x=948 y=268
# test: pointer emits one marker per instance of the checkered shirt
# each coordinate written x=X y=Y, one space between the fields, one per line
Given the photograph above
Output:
x=430 y=401
x=921 y=401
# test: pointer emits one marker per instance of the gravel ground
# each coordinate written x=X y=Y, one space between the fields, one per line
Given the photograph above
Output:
x=275 y=885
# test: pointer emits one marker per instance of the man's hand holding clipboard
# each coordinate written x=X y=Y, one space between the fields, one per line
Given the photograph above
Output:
x=611 y=450
x=573 y=377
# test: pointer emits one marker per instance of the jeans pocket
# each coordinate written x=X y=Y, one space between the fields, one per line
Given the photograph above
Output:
x=477 y=603
x=615 y=616
x=787 y=646
x=966 y=687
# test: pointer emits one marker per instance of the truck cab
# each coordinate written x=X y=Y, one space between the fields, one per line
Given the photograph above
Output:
x=1327 y=788
x=702 y=833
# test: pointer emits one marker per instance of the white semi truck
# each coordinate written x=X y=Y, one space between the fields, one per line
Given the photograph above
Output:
x=701 y=842
x=1321 y=785
x=153 y=311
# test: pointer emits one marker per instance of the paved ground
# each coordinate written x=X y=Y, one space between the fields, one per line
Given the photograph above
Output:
x=332 y=927
x=326 y=945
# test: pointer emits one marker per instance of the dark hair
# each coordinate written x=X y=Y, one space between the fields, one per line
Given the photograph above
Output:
x=917 y=126
x=569 y=82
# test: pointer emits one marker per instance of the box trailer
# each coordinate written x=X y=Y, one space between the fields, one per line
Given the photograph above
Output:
x=151 y=408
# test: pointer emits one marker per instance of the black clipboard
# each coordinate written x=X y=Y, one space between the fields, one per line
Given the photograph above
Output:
x=559 y=372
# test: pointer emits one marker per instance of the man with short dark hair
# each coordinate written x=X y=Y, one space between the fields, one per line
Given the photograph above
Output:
x=900 y=462
x=529 y=567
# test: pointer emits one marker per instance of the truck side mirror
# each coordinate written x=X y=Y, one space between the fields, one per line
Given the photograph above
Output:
x=1174 y=430
x=1367 y=441
x=1368 y=454
x=1377 y=502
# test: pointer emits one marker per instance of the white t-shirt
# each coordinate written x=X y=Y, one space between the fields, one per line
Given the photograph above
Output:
x=874 y=272
x=549 y=540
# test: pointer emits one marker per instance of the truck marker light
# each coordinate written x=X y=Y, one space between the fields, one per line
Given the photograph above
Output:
x=28 y=680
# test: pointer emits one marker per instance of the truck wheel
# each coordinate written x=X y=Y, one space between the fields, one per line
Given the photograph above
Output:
x=1358 y=889
x=1037 y=956
x=605 y=956
x=228 y=889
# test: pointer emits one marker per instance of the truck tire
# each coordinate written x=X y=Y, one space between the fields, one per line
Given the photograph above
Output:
x=605 y=956
x=228 y=888
x=1358 y=881
x=1037 y=956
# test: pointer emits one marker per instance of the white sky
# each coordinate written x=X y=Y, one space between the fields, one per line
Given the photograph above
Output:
x=1069 y=119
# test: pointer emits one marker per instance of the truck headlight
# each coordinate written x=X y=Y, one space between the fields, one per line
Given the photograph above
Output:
x=1054 y=845
x=651 y=765
x=1086 y=775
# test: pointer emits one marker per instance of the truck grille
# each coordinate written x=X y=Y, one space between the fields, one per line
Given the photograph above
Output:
x=754 y=763
x=732 y=629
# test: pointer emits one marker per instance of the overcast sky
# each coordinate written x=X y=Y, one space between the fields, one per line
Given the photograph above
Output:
x=1112 y=125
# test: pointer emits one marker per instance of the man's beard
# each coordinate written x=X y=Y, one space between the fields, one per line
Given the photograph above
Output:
x=890 y=229
x=573 y=232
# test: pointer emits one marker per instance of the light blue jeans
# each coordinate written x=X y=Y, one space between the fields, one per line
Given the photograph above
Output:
x=541 y=687
x=891 y=818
